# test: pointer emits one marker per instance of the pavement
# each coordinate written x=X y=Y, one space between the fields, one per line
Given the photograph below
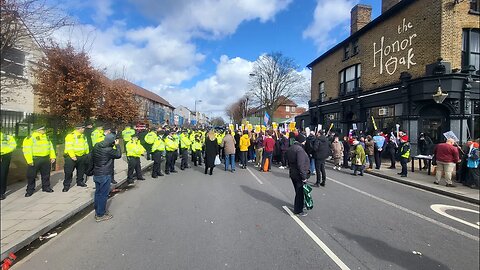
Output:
x=241 y=220
x=25 y=219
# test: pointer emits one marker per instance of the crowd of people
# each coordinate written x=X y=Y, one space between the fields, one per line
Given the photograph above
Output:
x=91 y=151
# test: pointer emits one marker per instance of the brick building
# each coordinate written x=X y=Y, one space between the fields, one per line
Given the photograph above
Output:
x=286 y=110
x=391 y=67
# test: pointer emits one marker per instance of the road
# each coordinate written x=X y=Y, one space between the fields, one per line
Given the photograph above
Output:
x=238 y=220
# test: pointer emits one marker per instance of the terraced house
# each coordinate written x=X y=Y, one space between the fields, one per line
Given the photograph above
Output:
x=391 y=71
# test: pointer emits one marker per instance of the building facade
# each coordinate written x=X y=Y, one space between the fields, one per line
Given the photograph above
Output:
x=185 y=116
x=388 y=70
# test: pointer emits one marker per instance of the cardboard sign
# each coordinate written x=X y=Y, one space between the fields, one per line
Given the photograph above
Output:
x=264 y=128
x=354 y=126
x=243 y=127
x=257 y=129
x=307 y=130
x=451 y=135
x=249 y=127
x=231 y=127
x=319 y=127
x=274 y=125
x=291 y=126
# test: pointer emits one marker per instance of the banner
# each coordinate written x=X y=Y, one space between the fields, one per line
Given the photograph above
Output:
x=266 y=118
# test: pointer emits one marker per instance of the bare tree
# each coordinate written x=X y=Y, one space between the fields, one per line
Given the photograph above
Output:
x=217 y=121
x=275 y=80
x=238 y=110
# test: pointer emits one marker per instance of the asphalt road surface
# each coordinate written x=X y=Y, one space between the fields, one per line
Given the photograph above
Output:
x=242 y=220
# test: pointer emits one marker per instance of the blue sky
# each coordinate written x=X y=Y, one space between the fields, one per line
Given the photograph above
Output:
x=203 y=49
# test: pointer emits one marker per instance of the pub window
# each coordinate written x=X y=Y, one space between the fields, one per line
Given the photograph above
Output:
x=346 y=52
x=13 y=62
x=350 y=79
x=471 y=48
x=475 y=5
x=321 y=90
x=355 y=47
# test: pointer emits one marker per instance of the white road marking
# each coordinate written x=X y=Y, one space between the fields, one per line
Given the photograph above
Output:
x=256 y=177
x=317 y=240
x=445 y=226
x=441 y=208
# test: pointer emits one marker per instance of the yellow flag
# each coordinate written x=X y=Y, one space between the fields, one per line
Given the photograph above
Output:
x=374 y=124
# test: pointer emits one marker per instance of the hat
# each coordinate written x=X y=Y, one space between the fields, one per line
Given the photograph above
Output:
x=77 y=126
x=300 y=138
x=38 y=127
x=404 y=138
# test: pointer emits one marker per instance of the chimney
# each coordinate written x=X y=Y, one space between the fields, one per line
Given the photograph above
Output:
x=361 y=15
x=388 y=4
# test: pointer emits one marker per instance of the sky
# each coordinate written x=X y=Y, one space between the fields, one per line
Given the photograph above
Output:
x=187 y=50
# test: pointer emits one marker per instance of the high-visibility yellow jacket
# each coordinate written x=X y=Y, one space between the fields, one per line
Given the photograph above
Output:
x=158 y=145
x=220 y=138
x=151 y=137
x=134 y=149
x=97 y=136
x=185 y=141
x=405 y=150
x=127 y=134
x=170 y=144
x=244 y=142
x=8 y=144
x=37 y=145
x=196 y=146
x=76 y=144
x=177 y=140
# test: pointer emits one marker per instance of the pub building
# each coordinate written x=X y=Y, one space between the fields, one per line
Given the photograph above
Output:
x=416 y=65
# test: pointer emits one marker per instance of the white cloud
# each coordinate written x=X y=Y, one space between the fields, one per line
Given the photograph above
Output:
x=328 y=17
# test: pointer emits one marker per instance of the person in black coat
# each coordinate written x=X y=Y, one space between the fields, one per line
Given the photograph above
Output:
x=321 y=151
x=299 y=164
x=211 y=151
x=346 y=151
x=103 y=156
x=237 y=146
x=424 y=147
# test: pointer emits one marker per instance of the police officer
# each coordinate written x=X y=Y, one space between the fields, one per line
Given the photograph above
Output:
x=39 y=154
x=8 y=146
x=171 y=146
x=185 y=144
x=158 y=150
x=134 y=151
x=149 y=139
x=76 y=157
x=98 y=135
x=127 y=134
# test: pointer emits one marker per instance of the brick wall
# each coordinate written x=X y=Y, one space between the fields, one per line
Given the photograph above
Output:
x=425 y=29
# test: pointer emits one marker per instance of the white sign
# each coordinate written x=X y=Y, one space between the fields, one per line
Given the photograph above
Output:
x=388 y=56
x=354 y=126
x=307 y=130
x=450 y=135
x=319 y=127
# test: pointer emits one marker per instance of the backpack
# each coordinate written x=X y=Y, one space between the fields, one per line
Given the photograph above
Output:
x=309 y=144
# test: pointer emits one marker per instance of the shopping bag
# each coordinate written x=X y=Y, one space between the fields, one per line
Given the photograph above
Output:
x=265 y=166
x=217 y=160
x=307 y=194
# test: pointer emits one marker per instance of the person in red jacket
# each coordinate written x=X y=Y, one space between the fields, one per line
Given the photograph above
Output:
x=268 y=146
x=446 y=156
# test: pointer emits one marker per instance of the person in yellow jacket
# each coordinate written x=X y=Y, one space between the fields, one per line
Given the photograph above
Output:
x=244 y=144
x=134 y=151
x=8 y=146
x=197 y=151
x=39 y=154
x=171 y=146
x=158 y=150
x=98 y=135
x=127 y=134
x=76 y=157
x=150 y=138
x=185 y=144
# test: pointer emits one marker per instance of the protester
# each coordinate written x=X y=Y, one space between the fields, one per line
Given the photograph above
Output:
x=309 y=149
x=337 y=153
x=259 y=149
x=299 y=163
x=228 y=143
x=379 y=145
x=346 y=151
x=358 y=158
x=244 y=144
x=211 y=151
x=473 y=169
x=370 y=151
x=268 y=146
x=103 y=155
x=425 y=145
x=284 y=144
x=391 y=149
x=404 y=155
x=321 y=151
x=446 y=156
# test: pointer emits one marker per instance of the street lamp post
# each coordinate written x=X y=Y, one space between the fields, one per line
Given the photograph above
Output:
x=196 y=113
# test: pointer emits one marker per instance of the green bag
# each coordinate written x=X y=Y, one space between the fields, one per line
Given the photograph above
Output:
x=307 y=190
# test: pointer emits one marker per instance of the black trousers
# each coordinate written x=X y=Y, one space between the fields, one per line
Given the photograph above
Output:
x=4 y=166
x=345 y=160
x=157 y=157
x=43 y=165
x=403 y=162
x=206 y=169
x=197 y=158
x=320 y=170
x=70 y=165
x=284 y=158
x=134 y=165
x=184 y=162
x=170 y=161
x=299 y=197
x=391 y=155
x=378 y=158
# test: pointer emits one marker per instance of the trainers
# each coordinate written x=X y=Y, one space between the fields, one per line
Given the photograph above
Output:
x=302 y=214
x=281 y=167
x=103 y=218
x=339 y=168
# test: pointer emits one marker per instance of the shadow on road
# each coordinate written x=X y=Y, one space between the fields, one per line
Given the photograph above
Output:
x=265 y=197
x=383 y=251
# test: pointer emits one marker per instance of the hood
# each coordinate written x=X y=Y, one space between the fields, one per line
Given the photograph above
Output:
x=108 y=141
x=322 y=138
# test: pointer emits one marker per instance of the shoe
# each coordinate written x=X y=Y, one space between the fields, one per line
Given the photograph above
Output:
x=450 y=185
x=353 y=174
x=103 y=218
x=360 y=174
x=113 y=182
x=28 y=194
x=82 y=185
x=399 y=173
x=131 y=184
x=141 y=178
x=174 y=171
x=436 y=183
x=65 y=189
x=161 y=174
x=334 y=167
x=167 y=173
x=232 y=171
x=49 y=190
x=302 y=214
x=281 y=167
x=154 y=176
x=313 y=173
x=2 y=197
x=316 y=185
x=389 y=167
x=323 y=183
x=403 y=175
